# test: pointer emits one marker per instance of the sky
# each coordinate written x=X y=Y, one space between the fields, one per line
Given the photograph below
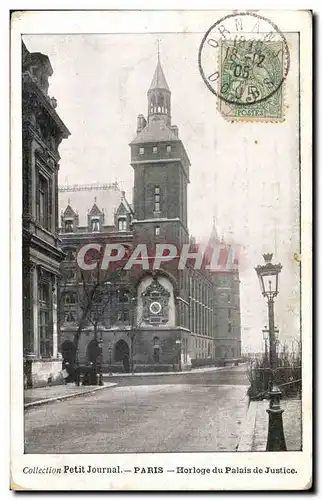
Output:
x=245 y=175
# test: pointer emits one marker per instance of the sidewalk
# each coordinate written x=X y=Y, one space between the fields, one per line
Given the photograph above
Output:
x=254 y=435
x=42 y=395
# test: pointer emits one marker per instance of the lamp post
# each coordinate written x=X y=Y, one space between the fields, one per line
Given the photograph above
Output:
x=268 y=278
x=110 y=359
x=278 y=344
x=265 y=332
x=178 y=343
x=132 y=333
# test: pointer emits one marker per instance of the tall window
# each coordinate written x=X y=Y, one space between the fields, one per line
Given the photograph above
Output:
x=69 y=299
x=141 y=151
x=157 y=199
x=43 y=202
x=123 y=306
x=44 y=318
x=70 y=307
x=156 y=349
x=95 y=225
x=168 y=149
x=122 y=226
x=229 y=313
x=69 y=226
x=154 y=149
x=229 y=327
x=157 y=231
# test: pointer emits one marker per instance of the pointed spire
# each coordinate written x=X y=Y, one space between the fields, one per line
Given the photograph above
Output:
x=159 y=81
x=214 y=237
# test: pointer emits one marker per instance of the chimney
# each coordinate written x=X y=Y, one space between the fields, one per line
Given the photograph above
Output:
x=141 y=123
x=175 y=130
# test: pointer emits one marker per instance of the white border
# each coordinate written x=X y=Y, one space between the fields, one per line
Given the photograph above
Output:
x=75 y=22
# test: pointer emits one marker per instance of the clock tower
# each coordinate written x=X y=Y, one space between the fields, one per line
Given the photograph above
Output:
x=161 y=171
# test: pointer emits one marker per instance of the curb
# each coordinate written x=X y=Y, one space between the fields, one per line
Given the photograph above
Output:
x=67 y=396
x=246 y=441
x=148 y=374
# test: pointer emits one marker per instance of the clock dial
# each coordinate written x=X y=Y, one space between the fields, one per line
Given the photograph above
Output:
x=155 y=307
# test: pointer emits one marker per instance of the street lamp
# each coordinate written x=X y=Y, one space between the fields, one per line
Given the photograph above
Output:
x=268 y=278
x=178 y=343
x=110 y=359
x=133 y=330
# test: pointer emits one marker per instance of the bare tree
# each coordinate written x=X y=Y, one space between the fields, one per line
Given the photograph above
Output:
x=97 y=290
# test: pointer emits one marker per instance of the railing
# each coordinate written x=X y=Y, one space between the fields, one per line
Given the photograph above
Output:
x=87 y=187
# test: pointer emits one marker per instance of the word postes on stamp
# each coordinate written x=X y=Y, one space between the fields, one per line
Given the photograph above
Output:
x=244 y=60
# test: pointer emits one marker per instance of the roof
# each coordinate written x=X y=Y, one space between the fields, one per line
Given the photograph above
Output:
x=83 y=197
x=155 y=131
x=159 y=81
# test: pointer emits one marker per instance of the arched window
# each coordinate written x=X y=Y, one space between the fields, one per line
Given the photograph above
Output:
x=152 y=107
x=69 y=226
x=95 y=225
x=69 y=298
x=122 y=225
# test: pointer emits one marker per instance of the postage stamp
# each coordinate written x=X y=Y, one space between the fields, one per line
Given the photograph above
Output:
x=244 y=59
x=251 y=73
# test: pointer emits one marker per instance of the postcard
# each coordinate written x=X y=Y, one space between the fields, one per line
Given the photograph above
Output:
x=161 y=219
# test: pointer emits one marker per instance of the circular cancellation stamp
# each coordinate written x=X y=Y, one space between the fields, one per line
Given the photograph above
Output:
x=244 y=60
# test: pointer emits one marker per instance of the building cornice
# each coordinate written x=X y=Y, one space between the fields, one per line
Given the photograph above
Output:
x=165 y=160
x=29 y=84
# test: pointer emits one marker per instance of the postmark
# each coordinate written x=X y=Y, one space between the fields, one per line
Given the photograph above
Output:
x=244 y=60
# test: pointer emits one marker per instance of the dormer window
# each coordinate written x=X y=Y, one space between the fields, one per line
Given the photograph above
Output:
x=69 y=226
x=95 y=225
x=168 y=149
x=122 y=225
x=141 y=151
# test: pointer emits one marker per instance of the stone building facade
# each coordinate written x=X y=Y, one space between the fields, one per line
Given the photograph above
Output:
x=159 y=319
x=42 y=132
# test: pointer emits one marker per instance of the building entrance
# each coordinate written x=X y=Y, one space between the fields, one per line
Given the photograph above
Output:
x=122 y=353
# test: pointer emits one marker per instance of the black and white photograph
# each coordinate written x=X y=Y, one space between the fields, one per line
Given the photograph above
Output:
x=162 y=214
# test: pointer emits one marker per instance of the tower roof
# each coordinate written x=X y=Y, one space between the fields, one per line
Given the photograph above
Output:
x=159 y=81
x=156 y=131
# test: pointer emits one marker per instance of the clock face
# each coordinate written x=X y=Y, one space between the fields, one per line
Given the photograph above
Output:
x=155 y=307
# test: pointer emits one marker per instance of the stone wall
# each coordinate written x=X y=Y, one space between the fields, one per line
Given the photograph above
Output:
x=46 y=372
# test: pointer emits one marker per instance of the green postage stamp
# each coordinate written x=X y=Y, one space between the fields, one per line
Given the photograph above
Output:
x=251 y=80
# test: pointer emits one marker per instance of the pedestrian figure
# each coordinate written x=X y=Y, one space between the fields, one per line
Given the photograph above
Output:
x=126 y=363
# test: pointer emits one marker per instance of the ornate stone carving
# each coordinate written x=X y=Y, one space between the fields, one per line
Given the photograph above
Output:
x=155 y=303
